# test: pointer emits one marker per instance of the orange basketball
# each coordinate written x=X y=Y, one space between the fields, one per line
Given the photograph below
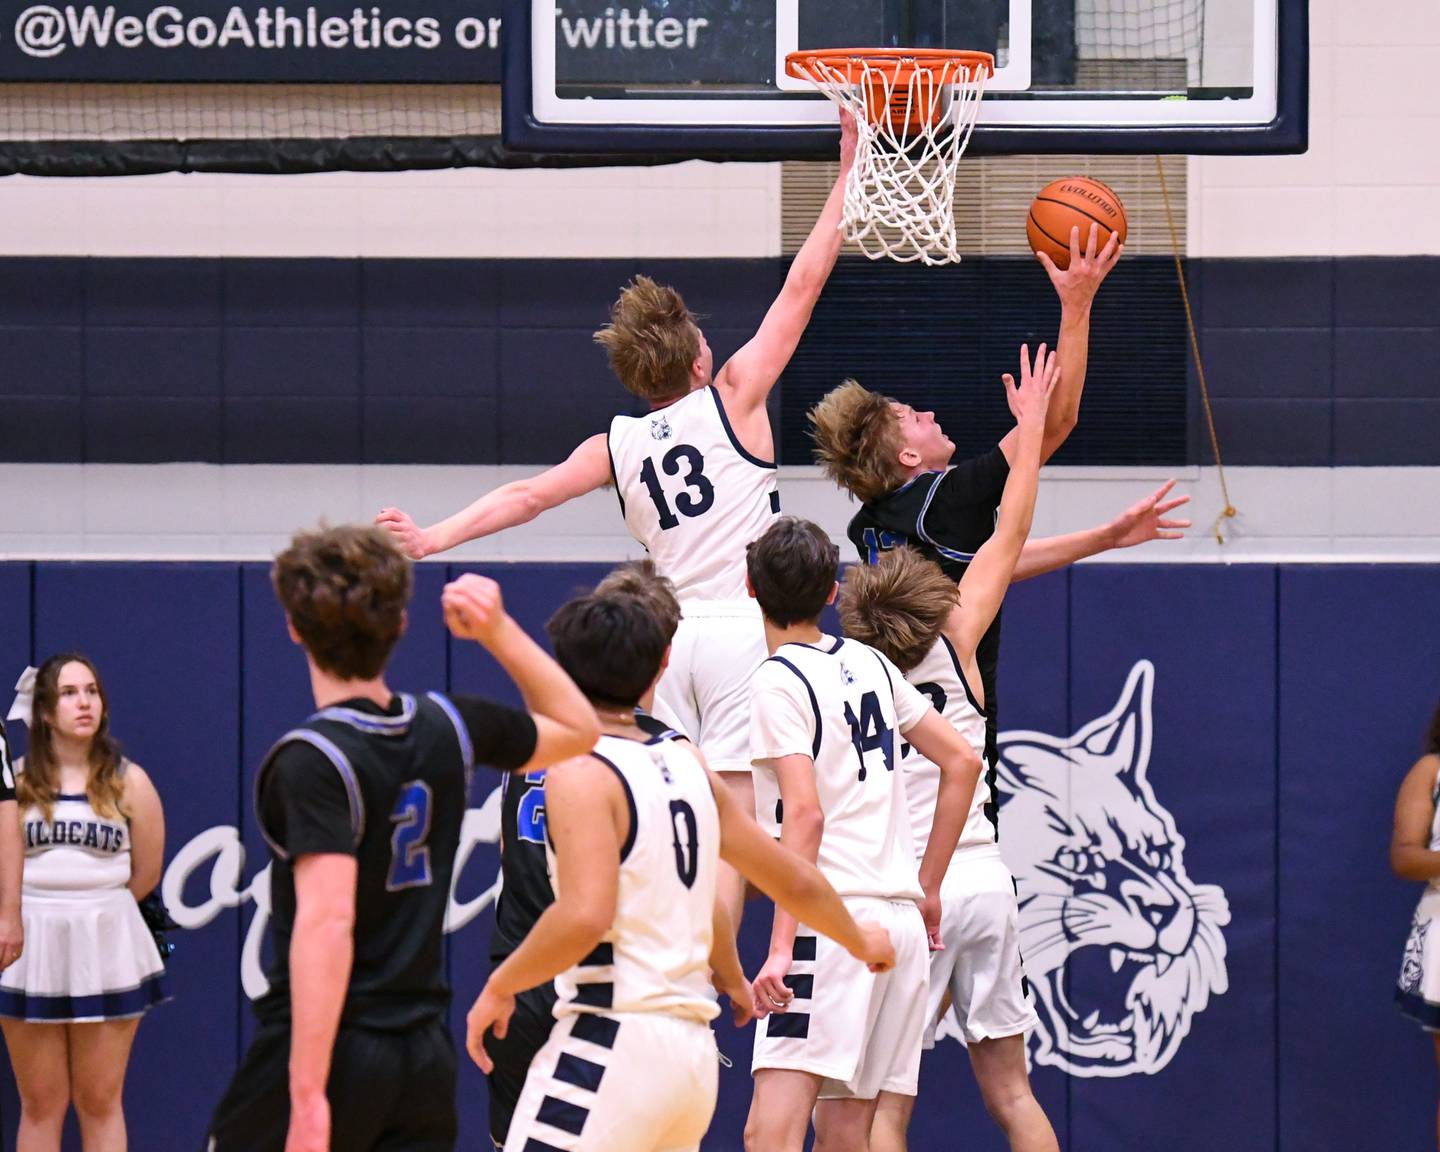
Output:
x=1073 y=202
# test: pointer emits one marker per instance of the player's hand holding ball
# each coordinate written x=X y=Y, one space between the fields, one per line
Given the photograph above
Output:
x=490 y=1012
x=409 y=537
x=474 y=608
x=877 y=950
x=1065 y=213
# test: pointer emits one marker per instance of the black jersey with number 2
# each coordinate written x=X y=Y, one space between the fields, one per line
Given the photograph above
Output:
x=390 y=787
x=946 y=517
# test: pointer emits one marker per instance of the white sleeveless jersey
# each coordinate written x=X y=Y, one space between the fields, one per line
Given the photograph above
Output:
x=844 y=705
x=691 y=494
x=940 y=677
x=76 y=850
x=656 y=956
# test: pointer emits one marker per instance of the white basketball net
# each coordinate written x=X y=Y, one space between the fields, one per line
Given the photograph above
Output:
x=913 y=125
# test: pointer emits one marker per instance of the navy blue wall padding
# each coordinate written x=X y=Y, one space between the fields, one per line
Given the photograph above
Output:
x=1309 y=361
x=1359 y=686
x=1287 y=704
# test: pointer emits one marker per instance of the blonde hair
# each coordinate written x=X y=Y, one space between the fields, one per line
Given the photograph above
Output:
x=39 y=784
x=641 y=579
x=898 y=605
x=858 y=441
x=652 y=340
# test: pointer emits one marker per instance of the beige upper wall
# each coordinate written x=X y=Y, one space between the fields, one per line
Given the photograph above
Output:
x=1371 y=179
x=1368 y=185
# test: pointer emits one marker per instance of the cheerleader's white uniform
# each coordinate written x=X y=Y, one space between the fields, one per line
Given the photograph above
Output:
x=88 y=953
x=1418 y=990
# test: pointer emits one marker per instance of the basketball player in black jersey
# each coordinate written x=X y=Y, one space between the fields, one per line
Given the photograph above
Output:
x=896 y=462
x=12 y=861
x=525 y=891
x=362 y=807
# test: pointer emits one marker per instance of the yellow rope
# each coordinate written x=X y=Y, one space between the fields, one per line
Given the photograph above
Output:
x=1229 y=511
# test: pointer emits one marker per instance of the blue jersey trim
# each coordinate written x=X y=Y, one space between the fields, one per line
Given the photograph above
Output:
x=948 y=553
x=331 y=752
x=769 y=465
x=814 y=704
x=370 y=723
x=467 y=747
x=629 y=800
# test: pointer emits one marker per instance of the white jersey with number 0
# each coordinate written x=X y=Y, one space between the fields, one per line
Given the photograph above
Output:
x=940 y=677
x=656 y=956
x=844 y=705
x=691 y=494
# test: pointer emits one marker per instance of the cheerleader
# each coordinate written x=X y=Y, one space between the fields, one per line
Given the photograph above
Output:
x=94 y=835
x=1415 y=855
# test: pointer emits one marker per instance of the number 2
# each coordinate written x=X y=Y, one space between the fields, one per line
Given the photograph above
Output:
x=409 y=854
x=695 y=478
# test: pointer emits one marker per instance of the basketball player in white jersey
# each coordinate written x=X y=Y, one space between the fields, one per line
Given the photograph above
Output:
x=906 y=607
x=635 y=833
x=828 y=715
x=696 y=482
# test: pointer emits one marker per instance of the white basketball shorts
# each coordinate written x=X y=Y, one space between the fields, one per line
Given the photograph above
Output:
x=704 y=692
x=619 y=1082
x=980 y=965
x=859 y=1031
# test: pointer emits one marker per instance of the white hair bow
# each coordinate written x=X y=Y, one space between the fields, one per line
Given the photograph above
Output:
x=24 y=697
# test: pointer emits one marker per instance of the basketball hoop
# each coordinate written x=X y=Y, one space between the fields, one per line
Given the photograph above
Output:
x=914 y=109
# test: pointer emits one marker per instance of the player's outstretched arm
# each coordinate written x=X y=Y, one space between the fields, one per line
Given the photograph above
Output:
x=794 y=883
x=322 y=950
x=1410 y=854
x=565 y=723
x=1076 y=287
x=750 y=374
x=936 y=740
x=1147 y=519
x=586 y=469
x=588 y=817
x=986 y=578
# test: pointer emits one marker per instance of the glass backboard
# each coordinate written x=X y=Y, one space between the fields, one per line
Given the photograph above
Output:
x=707 y=77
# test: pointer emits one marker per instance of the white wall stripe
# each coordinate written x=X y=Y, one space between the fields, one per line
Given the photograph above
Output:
x=200 y=511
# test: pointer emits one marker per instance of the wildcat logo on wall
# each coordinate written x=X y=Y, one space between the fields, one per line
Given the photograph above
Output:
x=1121 y=948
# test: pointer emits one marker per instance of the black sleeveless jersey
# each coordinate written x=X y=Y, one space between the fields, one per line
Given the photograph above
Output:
x=525 y=890
x=390 y=787
x=946 y=517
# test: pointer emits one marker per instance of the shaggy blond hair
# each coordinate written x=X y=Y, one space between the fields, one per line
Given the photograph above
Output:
x=857 y=441
x=652 y=340
x=898 y=605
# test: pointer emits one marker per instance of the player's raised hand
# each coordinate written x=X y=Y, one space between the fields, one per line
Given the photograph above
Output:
x=1078 y=283
x=771 y=992
x=491 y=1012
x=1030 y=399
x=877 y=950
x=474 y=608
x=1148 y=519
x=409 y=537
